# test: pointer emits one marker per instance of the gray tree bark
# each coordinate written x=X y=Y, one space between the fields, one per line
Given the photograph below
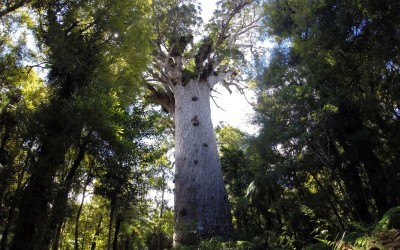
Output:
x=201 y=204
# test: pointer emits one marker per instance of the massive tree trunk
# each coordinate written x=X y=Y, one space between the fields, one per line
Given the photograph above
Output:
x=201 y=204
x=180 y=79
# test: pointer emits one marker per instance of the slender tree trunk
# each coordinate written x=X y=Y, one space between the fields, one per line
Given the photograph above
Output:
x=6 y=165
x=118 y=224
x=11 y=212
x=394 y=183
x=376 y=176
x=201 y=202
x=7 y=227
x=78 y=214
x=60 y=203
x=6 y=174
x=112 y=211
x=33 y=208
x=329 y=190
x=97 y=233
x=353 y=184
x=58 y=235
x=159 y=246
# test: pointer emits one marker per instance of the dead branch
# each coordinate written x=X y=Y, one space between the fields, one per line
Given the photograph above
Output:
x=39 y=65
x=212 y=98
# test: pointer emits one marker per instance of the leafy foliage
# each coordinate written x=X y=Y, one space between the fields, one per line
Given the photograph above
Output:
x=83 y=129
x=81 y=149
x=327 y=133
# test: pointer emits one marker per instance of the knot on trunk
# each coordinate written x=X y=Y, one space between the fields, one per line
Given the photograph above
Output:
x=195 y=98
x=195 y=121
x=172 y=62
x=182 y=212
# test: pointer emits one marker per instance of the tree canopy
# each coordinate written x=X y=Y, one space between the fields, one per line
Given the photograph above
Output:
x=88 y=160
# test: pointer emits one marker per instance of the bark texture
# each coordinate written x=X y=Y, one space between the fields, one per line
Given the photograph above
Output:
x=201 y=204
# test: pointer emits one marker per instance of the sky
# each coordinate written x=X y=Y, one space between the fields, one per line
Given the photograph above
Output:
x=236 y=110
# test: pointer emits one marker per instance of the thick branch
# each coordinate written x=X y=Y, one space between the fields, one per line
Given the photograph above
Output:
x=245 y=28
x=15 y=6
x=161 y=97
x=220 y=77
x=223 y=35
x=203 y=53
x=208 y=57
x=216 y=104
x=169 y=56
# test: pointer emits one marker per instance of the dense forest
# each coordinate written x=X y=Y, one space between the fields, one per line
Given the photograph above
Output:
x=105 y=114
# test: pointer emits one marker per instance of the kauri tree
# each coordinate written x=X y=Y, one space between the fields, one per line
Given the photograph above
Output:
x=181 y=77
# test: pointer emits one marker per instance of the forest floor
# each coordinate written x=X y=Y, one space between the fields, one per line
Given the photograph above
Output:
x=382 y=240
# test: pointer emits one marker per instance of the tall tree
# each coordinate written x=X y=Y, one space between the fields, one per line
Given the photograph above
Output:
x=93 y=58
x=328 y=112
x=22 y=91
x=181 y=77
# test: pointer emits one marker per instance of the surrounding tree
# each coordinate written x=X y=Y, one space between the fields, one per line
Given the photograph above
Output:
x=328 y=113
x=92 y=59
x=236 y=161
